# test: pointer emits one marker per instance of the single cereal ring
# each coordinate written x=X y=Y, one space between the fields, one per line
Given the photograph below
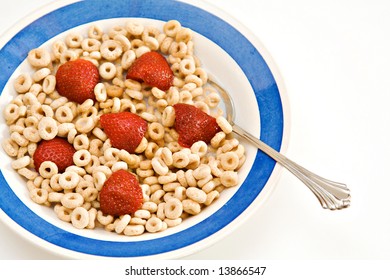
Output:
x=58 y=102
x=128 y=58
x=165 y=44
x=90 y=45
x=111 y=50
x=191 y=207
x=168 y=178
x=168 y=116
x=81 y=142
x=180 y=193
x=73 y=40
x=224 y=124
x=173 y=208
x=11 y=113
x=229 y=160
x=72 y=200
x=55 y=196
x=157 y=196
x=153 y=224
x=122 y=223
x=92 y=218
x=200 y=148
x=134 y=230
x=187 y=66
x=150 y=206
x=107 y=70
x=23 y=83
x=19 y=139
x=100 y=92
x=21 y=162
x=47 y=128
x=104 y=219
x=183 y=35
x=159 y=166
x=202 y=171
x=95 y=32
x=99 y=178
x=151 y=43
x=48 y=169
x=142 y=214
x=180 y=159
x=82 y=157
x=39 y=58
x=213 y=99
x=178 y=49
x=217 y=139
x=125 y=42
x=85 y=124
x=39 y=196
x=69 y=180
x=171 y=27
x=156 y=131
x=229 y=178
x=166 y=154
x=49 y=84
x=62 y=212
x=41 y=74
x=134 y=28
x=58 y=48
x=211 y=196
x=196 y=194
x=191 y=181
x=64 y=114
x=119 y=165
x=173 y=222
x=79 y=217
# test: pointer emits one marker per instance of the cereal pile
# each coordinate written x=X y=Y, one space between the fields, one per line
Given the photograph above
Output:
x=176 y=182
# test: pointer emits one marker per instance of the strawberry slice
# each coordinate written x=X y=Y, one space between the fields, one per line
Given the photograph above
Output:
x=121 y=194
x=194 y=125
x=153 y=69
x=57 y=150
x=125 y=129
x=76 y=80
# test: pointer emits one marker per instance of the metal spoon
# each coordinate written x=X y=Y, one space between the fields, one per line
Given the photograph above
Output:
x=331 y=195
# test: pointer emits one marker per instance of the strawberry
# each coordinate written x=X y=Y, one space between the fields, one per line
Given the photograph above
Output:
x=121 y=194
x=125 y=129
x=77 y=79
x=57 y=150
x=194 y=125
x=153 y=69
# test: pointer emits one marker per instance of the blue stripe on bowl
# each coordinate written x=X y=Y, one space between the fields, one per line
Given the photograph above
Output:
x=201 y=21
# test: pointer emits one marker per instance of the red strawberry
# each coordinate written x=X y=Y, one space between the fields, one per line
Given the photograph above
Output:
x=77 y=79
x=57 y=150
x=194 y=125
x=125 y=129
x=153 y=69
x=121 y=194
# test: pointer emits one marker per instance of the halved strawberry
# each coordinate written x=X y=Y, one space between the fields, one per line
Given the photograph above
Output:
x=194 y=125
x=57 y=150
x=76 y=80
x=121 y=194
x=153 y=69
x=125 y=129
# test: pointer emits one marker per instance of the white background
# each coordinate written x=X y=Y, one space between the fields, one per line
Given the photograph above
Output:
x=334 y=57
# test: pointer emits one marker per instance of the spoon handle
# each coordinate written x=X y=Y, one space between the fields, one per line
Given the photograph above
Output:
x=331 y=195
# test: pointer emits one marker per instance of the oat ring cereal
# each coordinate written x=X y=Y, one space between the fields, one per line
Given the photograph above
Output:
x=176 y=182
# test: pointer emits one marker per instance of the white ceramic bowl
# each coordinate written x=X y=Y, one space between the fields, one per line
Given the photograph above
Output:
x=227 y=50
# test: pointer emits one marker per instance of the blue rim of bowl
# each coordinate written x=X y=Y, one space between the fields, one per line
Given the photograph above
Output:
x=223 y=34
